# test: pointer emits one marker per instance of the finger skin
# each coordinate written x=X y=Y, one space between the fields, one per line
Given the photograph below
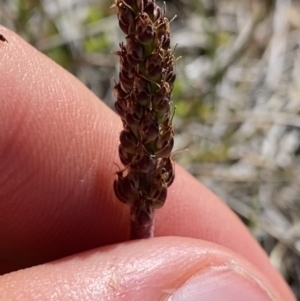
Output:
x=58 y=146
x=138 y=270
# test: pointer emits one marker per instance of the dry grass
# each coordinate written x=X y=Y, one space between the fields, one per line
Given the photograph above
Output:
x=237 y=96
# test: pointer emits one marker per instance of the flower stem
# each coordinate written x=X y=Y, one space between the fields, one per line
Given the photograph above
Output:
x=141 y=223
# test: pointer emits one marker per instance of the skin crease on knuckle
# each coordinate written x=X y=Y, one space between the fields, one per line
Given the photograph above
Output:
x=56 y=103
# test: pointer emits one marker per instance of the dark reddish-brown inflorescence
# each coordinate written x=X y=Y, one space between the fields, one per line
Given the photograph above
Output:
x=143 y=93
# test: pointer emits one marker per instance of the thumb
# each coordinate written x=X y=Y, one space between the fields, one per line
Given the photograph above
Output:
x=164 y=268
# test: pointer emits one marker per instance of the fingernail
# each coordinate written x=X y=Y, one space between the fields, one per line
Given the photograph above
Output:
x=222 y=284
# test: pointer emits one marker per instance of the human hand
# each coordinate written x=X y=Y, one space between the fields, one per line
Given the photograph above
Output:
x=58 y=146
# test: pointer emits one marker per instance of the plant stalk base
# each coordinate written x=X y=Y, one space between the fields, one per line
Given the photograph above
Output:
x=142 y=223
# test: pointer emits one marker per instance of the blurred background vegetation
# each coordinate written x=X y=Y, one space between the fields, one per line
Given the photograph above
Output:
x=237 y=97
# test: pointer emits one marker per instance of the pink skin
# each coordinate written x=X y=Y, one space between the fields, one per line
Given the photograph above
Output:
x=58 y=146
